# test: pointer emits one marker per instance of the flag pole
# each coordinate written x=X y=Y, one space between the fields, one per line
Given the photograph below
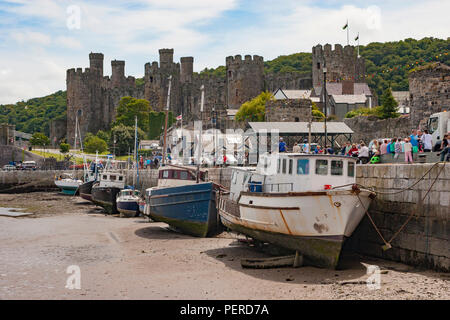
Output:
x=348 y=41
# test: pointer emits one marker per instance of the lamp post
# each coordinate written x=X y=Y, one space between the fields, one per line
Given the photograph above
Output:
x=325 y=103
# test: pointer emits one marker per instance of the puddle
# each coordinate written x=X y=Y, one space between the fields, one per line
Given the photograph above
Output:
x=13 y=212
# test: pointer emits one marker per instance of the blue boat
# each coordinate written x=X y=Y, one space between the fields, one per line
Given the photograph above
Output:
x=188 y=208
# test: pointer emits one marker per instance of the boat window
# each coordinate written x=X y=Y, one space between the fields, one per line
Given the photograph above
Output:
x=165 y=174
x=112 y=178
x=284 y=165
x=337 y=167
x=105 y=177
x=183 y=175
x=279 y=167
x=290 y=166
x=322 y=167
x=175 y=174
x=303 y=166
x=351 y=169
x=233 y=179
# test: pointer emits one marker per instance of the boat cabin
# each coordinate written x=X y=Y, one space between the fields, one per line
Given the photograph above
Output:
x=129 y=193
x=294 y=172
x=170 y=176
x=112 y=179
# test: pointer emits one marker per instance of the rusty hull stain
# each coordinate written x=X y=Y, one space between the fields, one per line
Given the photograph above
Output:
x=320 y=227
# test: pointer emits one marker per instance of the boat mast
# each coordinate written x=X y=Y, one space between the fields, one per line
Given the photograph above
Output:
x=200 y=142
x=165 y=125
x=136 y=153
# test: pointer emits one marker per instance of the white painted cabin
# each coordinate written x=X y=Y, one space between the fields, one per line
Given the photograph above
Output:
x=294 y=172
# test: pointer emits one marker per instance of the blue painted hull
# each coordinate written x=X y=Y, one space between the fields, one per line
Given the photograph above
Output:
x=128 y=208
x=190 y=208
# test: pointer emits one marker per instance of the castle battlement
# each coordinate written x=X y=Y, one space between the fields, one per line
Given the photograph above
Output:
x=327 y=51
x=237 y=59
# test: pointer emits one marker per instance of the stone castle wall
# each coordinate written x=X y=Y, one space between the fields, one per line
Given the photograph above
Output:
x=288 y=110
x=341 y=64
x=429 y=89
x=369 y=128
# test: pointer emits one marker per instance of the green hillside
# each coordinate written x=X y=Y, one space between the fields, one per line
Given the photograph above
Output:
x=35 y=114
x=387 y=64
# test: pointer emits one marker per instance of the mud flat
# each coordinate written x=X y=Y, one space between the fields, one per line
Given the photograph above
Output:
x=137 y=259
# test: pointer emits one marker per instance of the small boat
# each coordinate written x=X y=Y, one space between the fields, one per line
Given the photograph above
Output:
x=301 y=202
x=90 y=177
x=68 y=184
x=128 y=202
x=183 y=203
x=104 y=192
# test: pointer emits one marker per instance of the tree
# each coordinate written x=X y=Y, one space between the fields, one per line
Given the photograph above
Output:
x=64 y=148
x=157 y=122
x=255 y=109
x=124 y=137
x=94 y=144
x=39 y=139
x=316 y=113
x=389 y=105
x=129 y=108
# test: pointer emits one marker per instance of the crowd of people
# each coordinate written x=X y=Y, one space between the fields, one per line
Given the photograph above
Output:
x=419 y=141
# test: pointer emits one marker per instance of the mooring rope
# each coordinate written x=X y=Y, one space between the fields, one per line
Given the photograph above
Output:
x=387 y=244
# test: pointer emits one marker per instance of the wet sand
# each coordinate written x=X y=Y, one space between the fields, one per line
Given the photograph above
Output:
x=137 y=259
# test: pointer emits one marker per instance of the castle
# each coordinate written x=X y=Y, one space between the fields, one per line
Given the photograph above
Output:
x=92 y=97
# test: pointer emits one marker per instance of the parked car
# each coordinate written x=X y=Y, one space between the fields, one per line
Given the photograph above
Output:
x=9 y=167
x=29 y=165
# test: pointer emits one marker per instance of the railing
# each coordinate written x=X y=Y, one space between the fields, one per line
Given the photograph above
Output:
x=278 y=187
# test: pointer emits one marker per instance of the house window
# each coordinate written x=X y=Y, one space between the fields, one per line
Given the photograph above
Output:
x=337 y=167
x=303 y=166
x=322 y=167
x=120 y=178
x=297 y=119
x=318 y=65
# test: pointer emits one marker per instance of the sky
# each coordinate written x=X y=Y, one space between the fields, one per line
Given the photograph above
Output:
x=41 y=39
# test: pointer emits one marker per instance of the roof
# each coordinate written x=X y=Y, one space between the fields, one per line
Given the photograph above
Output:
x=282 y=94
x=232 y=112
x=349 y=98
x=22 y=135
x=401 y=95
x=301 y=127
x=335 y=88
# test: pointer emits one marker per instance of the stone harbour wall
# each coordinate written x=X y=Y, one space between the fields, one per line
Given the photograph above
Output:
x=423 y=242
x=425 y=239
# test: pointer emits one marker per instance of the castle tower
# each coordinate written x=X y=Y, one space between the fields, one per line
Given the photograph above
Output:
x=187 y=69
x=245 y=79
x=96 y=63
x=165 y=58
x=118 y=73
x=341 y=63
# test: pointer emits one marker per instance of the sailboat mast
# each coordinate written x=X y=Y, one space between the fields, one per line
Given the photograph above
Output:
x=165 y=125
x=136 y=153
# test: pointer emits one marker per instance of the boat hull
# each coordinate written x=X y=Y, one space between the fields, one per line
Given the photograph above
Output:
x=68 y=187
x=189 y=208
x=315 y=224
x=86 y=189
x=128 y=208
x=105 y=197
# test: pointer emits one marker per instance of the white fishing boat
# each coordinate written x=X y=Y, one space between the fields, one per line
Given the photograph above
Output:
x=128 y=202
x=68 y=184
x=302 y=202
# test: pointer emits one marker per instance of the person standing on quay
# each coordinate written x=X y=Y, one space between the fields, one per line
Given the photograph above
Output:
x=427 y=142
x=398 y=148
x=408 y=150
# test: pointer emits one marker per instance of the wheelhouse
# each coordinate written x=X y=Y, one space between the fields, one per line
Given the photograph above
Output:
x=281 y=173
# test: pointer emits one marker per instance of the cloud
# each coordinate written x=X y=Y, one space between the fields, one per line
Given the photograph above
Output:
x=30 y=37
x=43 y=45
